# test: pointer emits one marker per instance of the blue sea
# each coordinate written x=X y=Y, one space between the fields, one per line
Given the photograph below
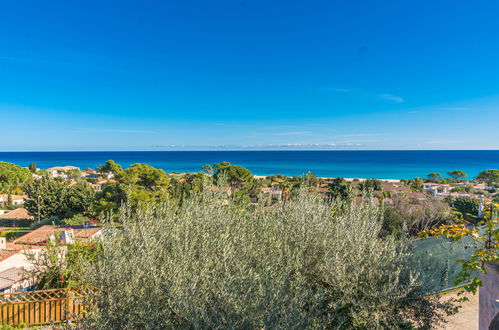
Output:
x=348 y=164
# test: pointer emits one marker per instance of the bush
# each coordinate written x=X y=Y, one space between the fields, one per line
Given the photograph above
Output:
x=48 y=221
x=210 y=263
x=13 y=233
x=466 y=205
x=411 y=216
x=76 y=220
x=16 y=222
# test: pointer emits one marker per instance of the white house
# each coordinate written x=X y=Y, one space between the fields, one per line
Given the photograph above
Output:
x=13 y=262
x=16 y=199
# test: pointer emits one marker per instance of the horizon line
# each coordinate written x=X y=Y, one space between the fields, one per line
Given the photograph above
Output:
x=243 y=150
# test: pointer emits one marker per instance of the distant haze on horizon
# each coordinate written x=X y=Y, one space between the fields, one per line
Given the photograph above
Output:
x=249 y=75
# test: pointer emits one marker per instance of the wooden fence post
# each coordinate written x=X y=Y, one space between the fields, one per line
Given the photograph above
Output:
x=69 y=305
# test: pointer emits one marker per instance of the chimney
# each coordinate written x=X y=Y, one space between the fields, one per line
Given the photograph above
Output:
x=67 y=236
x=3 y=243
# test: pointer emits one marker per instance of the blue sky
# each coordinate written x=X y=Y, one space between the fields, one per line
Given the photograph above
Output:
x=148 y=75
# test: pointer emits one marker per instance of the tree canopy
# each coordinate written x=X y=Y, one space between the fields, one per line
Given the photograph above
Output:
x=301 y=265
x=12 y=176
x=457 y=174
x=434 y=175
x=144 y=175
x=371 y=184
x=110 y=167
x=54 y=198
x=489 y=176
x=144 y=183
x=234 y=174
x=467 y=205
x=341 y=189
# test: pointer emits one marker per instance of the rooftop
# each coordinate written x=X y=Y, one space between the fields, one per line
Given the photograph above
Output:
x=44 y=233
x=19 y=213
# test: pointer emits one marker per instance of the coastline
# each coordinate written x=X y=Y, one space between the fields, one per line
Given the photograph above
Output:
x=329 y=177
x=382 y=165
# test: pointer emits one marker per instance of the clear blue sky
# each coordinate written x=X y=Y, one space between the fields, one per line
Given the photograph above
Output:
x=114 y=75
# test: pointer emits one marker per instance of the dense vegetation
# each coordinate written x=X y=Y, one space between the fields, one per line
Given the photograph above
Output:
x=208 y=249
x=208 y=263
x=12 y=177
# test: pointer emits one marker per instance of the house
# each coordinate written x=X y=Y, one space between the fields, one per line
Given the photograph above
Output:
x=13 y=262
x=62 y=168
x=16 y=199
x=273 y=191
x=67 y=234
x=60 y=171
x=89 y=173
x=436 y=188
x=16 y=214
x=96 y=186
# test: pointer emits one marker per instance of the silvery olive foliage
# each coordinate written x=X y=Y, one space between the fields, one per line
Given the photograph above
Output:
x=214 y=264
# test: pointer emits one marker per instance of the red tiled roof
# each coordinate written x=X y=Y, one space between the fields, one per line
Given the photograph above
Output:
x=44 y=233
x=86 y=232
x=19 y=213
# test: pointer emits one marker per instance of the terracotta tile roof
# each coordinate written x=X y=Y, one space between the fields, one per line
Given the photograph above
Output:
x=63 y=168
x=14 y=197
x=37 y=236
x=86 y=232
x=19 y=213
x=43 y=234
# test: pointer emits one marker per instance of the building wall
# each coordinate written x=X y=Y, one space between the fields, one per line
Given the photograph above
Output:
x=489 y=298
x=17 y=260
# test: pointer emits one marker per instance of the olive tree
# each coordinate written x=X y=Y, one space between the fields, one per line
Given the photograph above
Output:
x=208 y=263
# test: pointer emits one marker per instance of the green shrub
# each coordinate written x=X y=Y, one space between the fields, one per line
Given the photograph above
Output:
x=210 y=263
x=15 y=222
x=48 y=221
x=13 y=233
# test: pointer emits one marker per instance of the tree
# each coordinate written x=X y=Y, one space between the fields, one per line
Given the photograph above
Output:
x=457 y=174
x=54 y=198
x=434 y=176
x=416 y=184
x=371 y=184
x=144 y=175
x=341 y=189
x=57 y=266
x=77 y=199
x=403 y=215
x=108 y=201
x=74 y=174
x=144 y=183
x=466 y=205
x=76 y=220
x=208 y=168
x=234 y=174
x=12 y=176
x=44 y=195
x=489 y=176
x=32 y=167
x=299 y=265
x=109 y=167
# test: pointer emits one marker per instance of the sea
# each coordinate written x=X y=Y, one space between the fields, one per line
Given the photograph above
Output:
x=393 y=164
